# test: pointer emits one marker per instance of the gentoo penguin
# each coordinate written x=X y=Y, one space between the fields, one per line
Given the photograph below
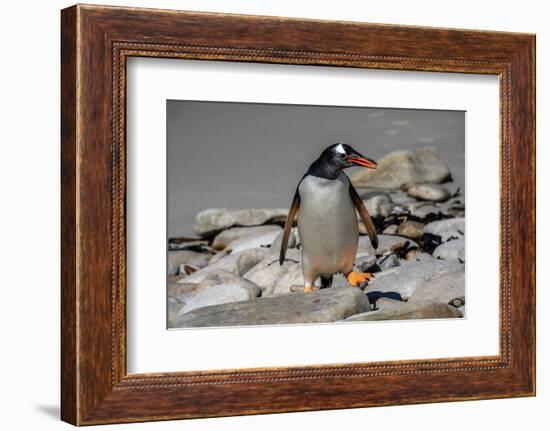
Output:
x=325 y=202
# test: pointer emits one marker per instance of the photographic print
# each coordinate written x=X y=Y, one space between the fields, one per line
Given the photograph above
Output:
x=300 y=214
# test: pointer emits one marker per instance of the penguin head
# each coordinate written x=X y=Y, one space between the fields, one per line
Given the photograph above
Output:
x=337 y=157
x=346 y=156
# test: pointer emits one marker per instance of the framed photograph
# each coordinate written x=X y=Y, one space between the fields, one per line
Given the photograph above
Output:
x=266 y=215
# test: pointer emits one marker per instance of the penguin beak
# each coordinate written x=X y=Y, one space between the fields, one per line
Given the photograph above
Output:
x=360 y=160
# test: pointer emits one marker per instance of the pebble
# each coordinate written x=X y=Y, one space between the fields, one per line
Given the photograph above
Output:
x=429 y=192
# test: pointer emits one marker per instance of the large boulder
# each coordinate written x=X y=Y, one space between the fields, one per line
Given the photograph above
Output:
x=411 y=275
x=389 y=309
x=401 y=168
x=327 y=305
x=211 y=221
x=444 y=288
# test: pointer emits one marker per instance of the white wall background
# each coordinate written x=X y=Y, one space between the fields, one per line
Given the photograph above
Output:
x=29 y=219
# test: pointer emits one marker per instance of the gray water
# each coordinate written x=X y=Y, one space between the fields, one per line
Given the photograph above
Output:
x=250 y=155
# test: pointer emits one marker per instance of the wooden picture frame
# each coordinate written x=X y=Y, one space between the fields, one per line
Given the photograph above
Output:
x=95 y=43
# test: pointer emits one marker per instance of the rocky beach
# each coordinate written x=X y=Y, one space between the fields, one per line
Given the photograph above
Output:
x=228 y=274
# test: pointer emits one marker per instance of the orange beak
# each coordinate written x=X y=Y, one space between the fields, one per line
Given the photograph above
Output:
x=362 y=161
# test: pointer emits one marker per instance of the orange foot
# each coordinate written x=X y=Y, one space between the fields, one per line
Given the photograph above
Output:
x=357 y=278
x=308 y=289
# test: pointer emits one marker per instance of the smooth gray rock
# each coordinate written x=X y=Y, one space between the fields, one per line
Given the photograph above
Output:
x=180 y=290
x=238 y=263
x=292 y=240
x=267 y=272
x=189 y=257
x=443 y=288
x=447 y=228
x=410 y=275
x=229 y=236
x=286 y=282
x=385 y=243
x=248 y=259
x=389 y=309
x=377 y=205
x=327 y=305
x=401 y=168
x=429 y=192
x=399 y=197
x=220 y=294
x=411 y=229
x=211 y=221
x=451 y=250
x=262 y=241
x=184 y=289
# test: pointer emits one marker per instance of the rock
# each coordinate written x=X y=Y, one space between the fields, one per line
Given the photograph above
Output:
x=451 y=250
x=457 y=302
x=389 y=309
x=219 y=256
x=443 y=288
x=283 y=285
x=180 y=290
x=447 y=228
x=378 y=205
x=400 y=168
x=292 y=240
x=222 y=277
x=174 y=307
x=211 y=221
x=237 y=263
x=187 y=269
x=365 y=263
x=429 y=192
x=391 y=229
x=189 y=257
x=385 y=243
x=229 y=236
x=388 y=261
x=220 y=294
x=267 y=272
x=423 y=210
x=327 y=305
x=401 y=198
x=411 y=229
x=410 y=275
x=262 y=241
x=248 y=259
x=418 y=256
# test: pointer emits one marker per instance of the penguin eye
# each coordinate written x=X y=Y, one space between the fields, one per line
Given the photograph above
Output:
x=343 y=155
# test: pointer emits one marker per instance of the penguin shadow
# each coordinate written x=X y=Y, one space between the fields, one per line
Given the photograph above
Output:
x=375 y=295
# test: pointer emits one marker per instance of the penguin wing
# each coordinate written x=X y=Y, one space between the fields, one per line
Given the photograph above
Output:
x=365 y=216
x=288 y=225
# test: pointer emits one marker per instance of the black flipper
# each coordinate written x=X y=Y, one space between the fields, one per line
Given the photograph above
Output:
x=288 y=225
x=358 y=202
